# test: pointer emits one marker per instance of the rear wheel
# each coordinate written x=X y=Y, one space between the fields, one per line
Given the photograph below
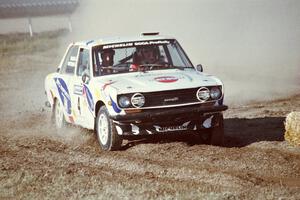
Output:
x=58 y=115
x=107 y=135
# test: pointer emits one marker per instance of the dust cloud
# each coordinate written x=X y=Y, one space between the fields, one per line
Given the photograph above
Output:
x=253 y=45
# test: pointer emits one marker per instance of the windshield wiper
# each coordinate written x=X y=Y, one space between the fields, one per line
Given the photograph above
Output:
x=147 y=67
x=178 y=67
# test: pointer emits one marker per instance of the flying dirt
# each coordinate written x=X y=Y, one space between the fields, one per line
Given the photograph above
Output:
x=39 y=162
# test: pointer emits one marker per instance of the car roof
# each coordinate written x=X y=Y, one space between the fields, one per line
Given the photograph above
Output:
x=112 y=40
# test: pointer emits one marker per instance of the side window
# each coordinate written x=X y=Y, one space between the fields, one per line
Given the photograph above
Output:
x=83 y=62
x=176 y=58
x=68 y=66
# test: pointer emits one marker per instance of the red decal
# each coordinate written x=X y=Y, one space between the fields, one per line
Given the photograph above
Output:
x=166 y=79
x=107 y=84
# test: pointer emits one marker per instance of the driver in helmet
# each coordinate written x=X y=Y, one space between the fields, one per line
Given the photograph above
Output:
x=149 y=55
x=144 y=55
x=107 y=61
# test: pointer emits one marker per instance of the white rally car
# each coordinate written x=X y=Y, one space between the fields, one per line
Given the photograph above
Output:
x=134 y=86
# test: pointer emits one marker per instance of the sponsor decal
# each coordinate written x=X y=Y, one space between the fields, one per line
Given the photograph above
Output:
x=166 y=79
x=88 y=95
x=78 y=89
x=139 y=43
x=182 y=127
x=119 y=45
x=143 y=43
x=63 y=94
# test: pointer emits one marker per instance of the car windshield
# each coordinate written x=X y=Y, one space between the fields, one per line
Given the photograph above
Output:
x=139 y=56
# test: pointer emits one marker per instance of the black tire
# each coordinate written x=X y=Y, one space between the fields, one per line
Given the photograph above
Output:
x=58 y=117
x=217 y=132
x=106 y=132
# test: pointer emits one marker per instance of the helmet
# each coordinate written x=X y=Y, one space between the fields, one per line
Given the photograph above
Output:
x=148 y=54
x=107 y=57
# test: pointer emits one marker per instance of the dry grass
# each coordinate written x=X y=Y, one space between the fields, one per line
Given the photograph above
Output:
x=292 y=128
x=20 y=43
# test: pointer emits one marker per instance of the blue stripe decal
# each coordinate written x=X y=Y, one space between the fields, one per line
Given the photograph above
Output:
x=89 y=97
x=63 y=94
x=114 y=105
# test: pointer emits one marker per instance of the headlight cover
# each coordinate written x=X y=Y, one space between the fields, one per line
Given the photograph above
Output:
x=138 y=100
x=215 y=93
x=124 y=102
x=203 y=94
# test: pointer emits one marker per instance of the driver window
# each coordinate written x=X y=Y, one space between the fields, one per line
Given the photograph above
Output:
x=83 y=62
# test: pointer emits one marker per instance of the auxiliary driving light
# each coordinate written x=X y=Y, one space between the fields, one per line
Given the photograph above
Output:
x=138 y=100
x=203 y=94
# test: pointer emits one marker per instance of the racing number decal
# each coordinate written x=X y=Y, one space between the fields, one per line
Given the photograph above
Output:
x=63 y=94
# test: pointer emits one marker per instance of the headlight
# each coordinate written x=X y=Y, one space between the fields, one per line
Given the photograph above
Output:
x=215 y=93
x=124 y=102
x=138 y=100
x=203 y=94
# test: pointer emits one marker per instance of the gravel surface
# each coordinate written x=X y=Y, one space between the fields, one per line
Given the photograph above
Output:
x=38 y=162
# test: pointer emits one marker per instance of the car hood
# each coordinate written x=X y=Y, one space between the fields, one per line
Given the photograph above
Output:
x=158 y=80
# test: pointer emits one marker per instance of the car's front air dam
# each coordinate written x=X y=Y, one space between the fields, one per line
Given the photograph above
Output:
x=163 y=113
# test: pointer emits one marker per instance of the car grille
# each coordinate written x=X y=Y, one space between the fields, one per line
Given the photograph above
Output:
x=172 y=97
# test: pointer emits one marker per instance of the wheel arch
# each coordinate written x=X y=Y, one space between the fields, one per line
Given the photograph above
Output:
x=98 y=105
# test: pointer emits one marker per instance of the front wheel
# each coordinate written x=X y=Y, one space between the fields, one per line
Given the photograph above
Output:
x=107 y=135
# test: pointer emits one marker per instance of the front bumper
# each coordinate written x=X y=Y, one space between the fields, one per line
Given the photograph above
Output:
x=191 y=118
x=169 y=112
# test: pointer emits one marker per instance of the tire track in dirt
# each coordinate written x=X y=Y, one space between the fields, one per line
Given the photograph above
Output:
x=38 y=162
x=127 y=165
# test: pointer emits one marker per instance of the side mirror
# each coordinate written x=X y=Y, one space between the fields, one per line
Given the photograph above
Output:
x=199 y=68
x=85 y=77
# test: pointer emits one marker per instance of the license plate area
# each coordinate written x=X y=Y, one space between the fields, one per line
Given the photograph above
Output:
x=164 y=129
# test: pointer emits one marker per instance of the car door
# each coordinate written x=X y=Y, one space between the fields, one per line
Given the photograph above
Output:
x=81 y=94
x=63 y=80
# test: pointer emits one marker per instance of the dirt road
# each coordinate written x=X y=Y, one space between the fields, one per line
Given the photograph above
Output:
x=39 y=162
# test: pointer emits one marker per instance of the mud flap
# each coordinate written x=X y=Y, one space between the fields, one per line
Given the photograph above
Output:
x=217 y=132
